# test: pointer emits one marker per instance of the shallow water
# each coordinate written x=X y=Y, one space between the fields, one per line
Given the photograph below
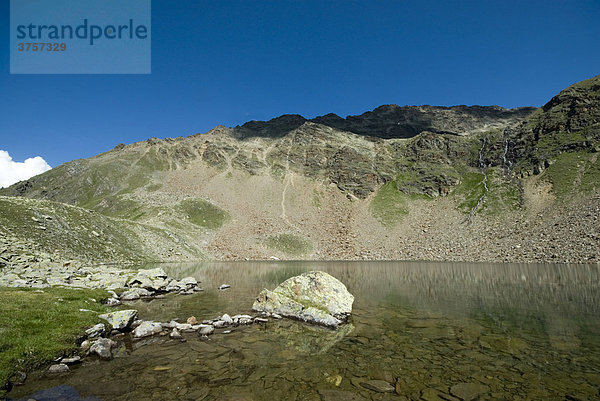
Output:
x=507 y=332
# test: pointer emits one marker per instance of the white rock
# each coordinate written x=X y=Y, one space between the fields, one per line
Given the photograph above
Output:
x=120 y=320
x=189 y=281
x=183 y=326
x=206 y=329
x=175 y=334
x=135 y=293
x=147 y=329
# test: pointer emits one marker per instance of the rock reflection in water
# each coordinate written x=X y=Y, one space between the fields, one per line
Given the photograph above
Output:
x=432 y=331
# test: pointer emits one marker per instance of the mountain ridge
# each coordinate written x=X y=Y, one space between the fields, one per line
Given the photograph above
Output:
x=290 y=188
x=393 y=121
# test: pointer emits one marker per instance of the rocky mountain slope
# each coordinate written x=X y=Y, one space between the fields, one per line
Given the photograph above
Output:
x=414 y=182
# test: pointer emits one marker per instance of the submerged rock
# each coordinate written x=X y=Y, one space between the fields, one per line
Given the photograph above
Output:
x=468 y=391
x=314 y=297
x=379 y=386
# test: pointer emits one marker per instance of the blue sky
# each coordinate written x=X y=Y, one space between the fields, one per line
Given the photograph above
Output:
x=227 y=62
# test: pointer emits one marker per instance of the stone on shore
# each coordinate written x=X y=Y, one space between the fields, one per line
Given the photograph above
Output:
x=135 y=293
x=120 y=320
x=102 y=348
x=58 y=368
x=96 y=330
x=72 y=360
x=314 y=297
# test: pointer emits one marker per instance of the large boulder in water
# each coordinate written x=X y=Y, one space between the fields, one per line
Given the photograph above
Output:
x=314 y=297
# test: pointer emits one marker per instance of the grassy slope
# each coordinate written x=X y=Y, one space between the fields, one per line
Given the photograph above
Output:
x=37 y=326
x=77 y=233
x=572 y=173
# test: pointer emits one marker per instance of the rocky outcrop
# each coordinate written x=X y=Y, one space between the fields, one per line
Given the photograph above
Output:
x=569 y=122
x=314 y=297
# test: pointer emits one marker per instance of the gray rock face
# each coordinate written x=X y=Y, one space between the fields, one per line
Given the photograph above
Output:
x=314 y=297
x=120 y=320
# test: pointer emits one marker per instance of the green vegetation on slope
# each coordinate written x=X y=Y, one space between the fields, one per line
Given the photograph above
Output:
x=470 y=190
x=76 y=233
x=574 y=171
x=37 y=326
x=389 y=205
x=502 y=195
x=203 y=213
x=289 y=244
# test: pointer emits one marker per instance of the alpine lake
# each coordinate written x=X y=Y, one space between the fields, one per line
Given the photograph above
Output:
x=418 y=331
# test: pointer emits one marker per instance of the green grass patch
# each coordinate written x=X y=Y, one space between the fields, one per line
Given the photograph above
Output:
x=317 y=198
x=290 y=244
x=470 y=190
x=574 y=171
x=389 y=205
x=154 y=160
x=502 y=195
x=37 y=326
x=203 y=213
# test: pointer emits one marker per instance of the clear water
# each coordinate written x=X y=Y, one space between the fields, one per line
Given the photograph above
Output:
x=507 y=332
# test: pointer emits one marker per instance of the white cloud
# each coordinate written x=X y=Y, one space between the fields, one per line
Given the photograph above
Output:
x=12 y=171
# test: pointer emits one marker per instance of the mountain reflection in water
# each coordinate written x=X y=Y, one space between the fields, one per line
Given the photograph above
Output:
x=431 y=330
